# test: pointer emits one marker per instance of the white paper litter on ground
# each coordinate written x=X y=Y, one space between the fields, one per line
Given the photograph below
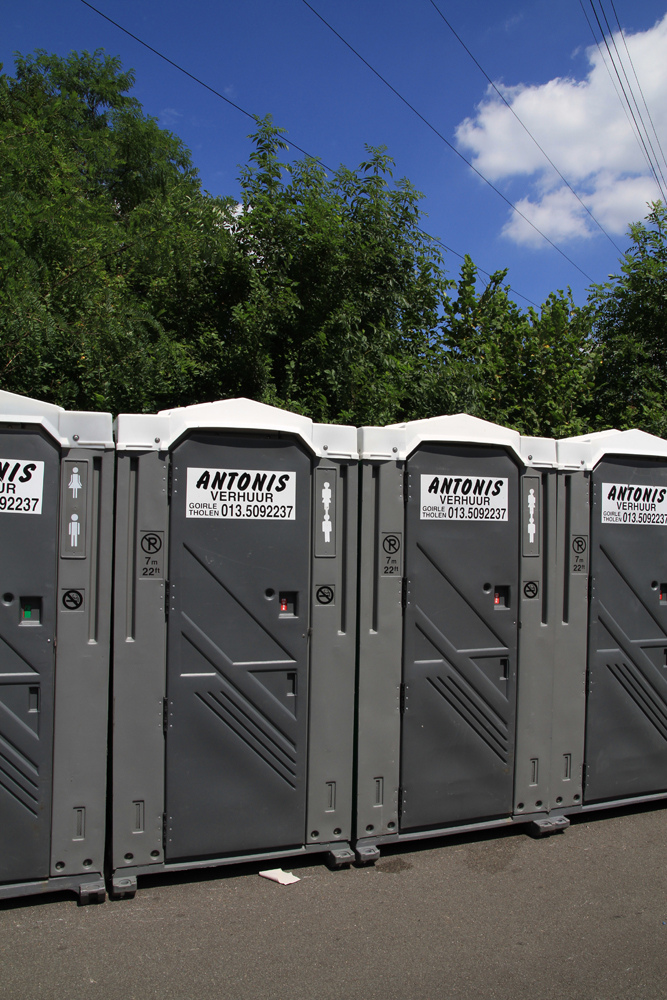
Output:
x=278 y=875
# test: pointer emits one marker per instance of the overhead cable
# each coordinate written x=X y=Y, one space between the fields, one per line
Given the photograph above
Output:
x=446 y=141
x=624 y=100
x=523 y=126
x=631 y=91
x=634 y=71
x=611 y=79
x=256 y=118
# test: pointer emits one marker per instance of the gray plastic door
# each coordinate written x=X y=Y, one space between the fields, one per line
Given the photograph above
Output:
x=237 y=661
x=29 y=491
x=626 y=715
x=460 y=645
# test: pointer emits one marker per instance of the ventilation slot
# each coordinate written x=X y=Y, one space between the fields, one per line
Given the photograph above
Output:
x=642 y=694
x=252 y=735
x=489 y=727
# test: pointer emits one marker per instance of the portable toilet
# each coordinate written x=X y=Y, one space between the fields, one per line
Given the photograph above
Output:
x=56 y=531
x=626 y=554
x=438 y=633
x=235 y=620
x=472 y=636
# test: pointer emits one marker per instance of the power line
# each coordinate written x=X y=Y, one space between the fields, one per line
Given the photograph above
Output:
x=627 y=103
x=634 y=99
x=523 y=126
x=181 y=69
x=477 y=267
x=611 y=79
x=256 y=118
x=446 y=141
x=615 y=86
x=625 y=44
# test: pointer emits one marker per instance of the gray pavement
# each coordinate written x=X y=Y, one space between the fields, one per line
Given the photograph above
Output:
x=496 y=917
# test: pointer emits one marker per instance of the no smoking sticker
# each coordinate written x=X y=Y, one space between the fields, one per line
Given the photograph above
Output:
x=72 y=600
x=325 y=594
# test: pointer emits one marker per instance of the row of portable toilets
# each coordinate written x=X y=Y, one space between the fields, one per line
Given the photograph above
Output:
x=228 y=633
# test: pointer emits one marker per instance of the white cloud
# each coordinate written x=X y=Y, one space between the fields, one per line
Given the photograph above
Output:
x=512 y=22
x=557 y=214
x=621 y=200
x=170 y=117
x=583 y=128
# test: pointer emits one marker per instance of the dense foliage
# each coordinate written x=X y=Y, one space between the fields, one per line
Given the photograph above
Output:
x=631 y=332
x=124 y=286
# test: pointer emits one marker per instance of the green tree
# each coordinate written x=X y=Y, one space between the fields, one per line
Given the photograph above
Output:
x=530 y=371
x=124 y=286
x=345 y=289
x=107 y=232
x=631 y=329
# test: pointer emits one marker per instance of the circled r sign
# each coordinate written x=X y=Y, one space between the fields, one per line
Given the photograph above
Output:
x=391 y=544
x=579 y=544
x=150 y=542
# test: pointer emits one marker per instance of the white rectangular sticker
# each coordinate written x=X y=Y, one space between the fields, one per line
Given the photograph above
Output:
x=633 y=504
x=242 y=494
x=463 y=498
x=21 y=486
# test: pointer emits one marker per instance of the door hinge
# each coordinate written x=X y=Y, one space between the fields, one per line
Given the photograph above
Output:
x=169 y=482
x=165 y=715
x=406 y=486
x=403 y=697
x=404 y=592
x=401 y=800
x=164 y=831
x=166 y=599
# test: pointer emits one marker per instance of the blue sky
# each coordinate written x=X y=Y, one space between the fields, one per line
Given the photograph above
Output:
x=279 y=58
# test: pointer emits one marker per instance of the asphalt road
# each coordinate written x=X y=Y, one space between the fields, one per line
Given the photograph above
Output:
x=582 y=914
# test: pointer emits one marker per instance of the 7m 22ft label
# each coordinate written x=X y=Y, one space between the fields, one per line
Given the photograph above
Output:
x=391 y=554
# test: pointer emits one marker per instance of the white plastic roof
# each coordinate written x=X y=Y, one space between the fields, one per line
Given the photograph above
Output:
x=399 y=440
x=159 y=432
x=585 y=451
x=70 y=428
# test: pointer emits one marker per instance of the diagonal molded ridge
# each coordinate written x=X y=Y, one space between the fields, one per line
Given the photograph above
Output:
x=251 y=740
x=246 y=610
x=460 y=701
x=632 y=590
x=630 y=678
x=225 y=679
x=458 y=590
x=494 y=699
